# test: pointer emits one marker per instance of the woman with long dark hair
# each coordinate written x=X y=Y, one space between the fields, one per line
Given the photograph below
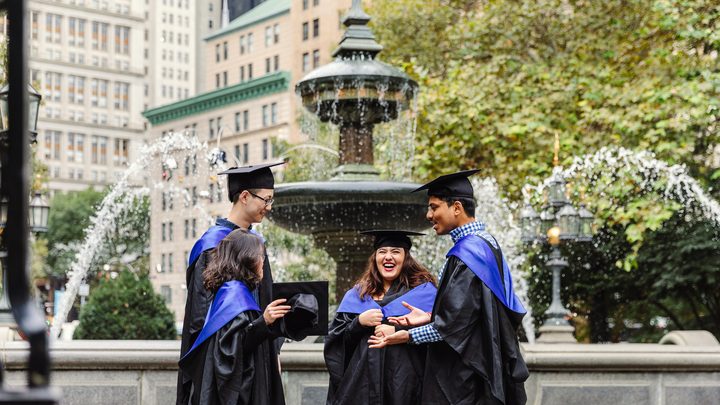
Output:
x=360 y=375
x=230 y=361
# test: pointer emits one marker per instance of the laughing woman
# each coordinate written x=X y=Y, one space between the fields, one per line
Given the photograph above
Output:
x=393 y=375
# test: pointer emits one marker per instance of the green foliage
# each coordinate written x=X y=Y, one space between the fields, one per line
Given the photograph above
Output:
x=71 y=214
x=125 y=308
x=499 y=78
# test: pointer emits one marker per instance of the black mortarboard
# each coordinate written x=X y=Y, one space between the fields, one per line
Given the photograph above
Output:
x=247 y=177
x=309 y=313
x=451 y=185
x=391 y=238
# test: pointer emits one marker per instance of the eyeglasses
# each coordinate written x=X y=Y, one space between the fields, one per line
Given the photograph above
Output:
x=267 y=201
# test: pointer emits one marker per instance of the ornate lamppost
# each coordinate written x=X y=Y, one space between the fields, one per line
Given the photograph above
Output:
x=559 y=222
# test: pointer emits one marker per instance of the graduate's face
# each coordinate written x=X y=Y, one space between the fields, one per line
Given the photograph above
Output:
x=442 y=216
x=389 y=261
x=256 y=203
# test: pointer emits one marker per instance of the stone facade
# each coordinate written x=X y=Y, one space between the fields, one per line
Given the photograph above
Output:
x=145 y=372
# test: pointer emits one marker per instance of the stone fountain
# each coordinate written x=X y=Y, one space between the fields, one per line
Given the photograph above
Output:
x=354 y=92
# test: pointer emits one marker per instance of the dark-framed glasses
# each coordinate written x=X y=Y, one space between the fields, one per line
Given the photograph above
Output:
x=267 y=201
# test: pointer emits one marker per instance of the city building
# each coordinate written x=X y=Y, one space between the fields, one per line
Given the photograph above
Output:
x=251 y=67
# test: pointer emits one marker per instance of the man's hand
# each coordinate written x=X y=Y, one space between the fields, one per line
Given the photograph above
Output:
x=384 y=330
x=397 y=338
x=371 y=317
x=416 y=317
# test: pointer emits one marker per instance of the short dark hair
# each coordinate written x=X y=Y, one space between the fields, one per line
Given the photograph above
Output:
x=237 y=257
x=236 y=196
x=468 y=204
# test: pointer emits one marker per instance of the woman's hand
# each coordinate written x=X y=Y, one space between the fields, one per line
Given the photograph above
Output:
x=384 y=330
x=371 y=317
x=397 y=338
x=416 y=317
x=275 y=311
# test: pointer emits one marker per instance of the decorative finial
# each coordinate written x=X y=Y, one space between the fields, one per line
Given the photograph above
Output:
x=556 y=158
x=358 y=39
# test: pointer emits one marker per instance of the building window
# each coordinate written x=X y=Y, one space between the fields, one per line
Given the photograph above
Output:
x=305 y=4
x=246 y=153
x=268 y=65
x=225 y=79
x=242 y=73
x=242 y=44
x=217 y=80
x=250 y=74
x=76 y=89
x=265 y=115
x=100 y=35
x=316 y=28
x=186 y=229
x=170 y=230
x=99 y=150
x=35 y=19
x=265 y=149
x=120 y=154
x=225 y=50
x=76 y=32
x=163 y=234
x=316 y=58
x=165 y=290
x=305 y=31
x=276 y=63
x=211 y=128
x=316 y=2
x=122 y=40
x=237 y=124
x=276 y=33
x=122 y=95
x=305 y=62
x=75 y=148
x=98 y=92
x=217 y=52
x=250 y=42
x=53 y=86
x=268 y=35
x=52 y=144
x=194 y=228
x=273 y=113
x=237 y=153
x=53 y=30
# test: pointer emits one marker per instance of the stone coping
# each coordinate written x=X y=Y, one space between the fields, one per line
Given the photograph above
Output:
x=163 y=355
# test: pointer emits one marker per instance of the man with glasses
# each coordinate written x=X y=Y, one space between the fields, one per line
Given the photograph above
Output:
x=250 y=190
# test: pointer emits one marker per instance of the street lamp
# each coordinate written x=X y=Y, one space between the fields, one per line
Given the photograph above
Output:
x=34 y=106
x=559 y=222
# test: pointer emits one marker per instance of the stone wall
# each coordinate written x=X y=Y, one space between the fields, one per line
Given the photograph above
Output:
x=144 y=372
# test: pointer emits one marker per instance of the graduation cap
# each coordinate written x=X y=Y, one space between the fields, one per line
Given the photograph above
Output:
x=451 y=185
x=308 y=315
x=391 y=238
x=248 y=177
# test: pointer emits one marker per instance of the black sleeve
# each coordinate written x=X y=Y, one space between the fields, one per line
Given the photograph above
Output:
x=343 y=336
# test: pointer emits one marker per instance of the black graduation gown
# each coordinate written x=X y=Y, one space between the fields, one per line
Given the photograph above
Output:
x=479 y=360
x=233 y=367
x=360 y=375
x=196 y=306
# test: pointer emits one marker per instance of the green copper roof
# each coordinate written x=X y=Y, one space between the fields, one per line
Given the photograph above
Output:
x=262 y=86
x=262 y=12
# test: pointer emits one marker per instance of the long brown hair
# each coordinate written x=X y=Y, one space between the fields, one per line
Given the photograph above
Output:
x=237 y=257
x=411 y=275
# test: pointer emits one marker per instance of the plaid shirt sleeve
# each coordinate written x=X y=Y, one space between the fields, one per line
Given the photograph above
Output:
x=424 y=334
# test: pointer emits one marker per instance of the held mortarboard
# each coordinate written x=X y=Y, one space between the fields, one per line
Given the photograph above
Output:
x=308 y=315
x=248 y=177
x=391 y=238
x=451 y=185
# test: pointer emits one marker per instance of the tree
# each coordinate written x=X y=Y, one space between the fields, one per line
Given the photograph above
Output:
x=499 y=78
x=125 y=308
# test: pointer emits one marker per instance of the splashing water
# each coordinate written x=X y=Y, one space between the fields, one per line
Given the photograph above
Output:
x=117 y=202
x=672 y=182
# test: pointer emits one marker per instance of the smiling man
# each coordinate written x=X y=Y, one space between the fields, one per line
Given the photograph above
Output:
x=470 y=334
x=250 y=190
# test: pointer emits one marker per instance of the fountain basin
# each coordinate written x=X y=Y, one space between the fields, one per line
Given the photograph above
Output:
x=319 y=207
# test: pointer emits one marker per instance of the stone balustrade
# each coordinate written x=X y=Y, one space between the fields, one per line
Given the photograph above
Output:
x=145 y=372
